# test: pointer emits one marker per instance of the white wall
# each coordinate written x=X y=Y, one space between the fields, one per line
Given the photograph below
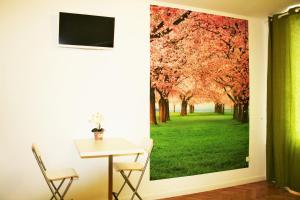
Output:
x=47 y=94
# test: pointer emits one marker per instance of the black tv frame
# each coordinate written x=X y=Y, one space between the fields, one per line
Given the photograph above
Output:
x=107 y=21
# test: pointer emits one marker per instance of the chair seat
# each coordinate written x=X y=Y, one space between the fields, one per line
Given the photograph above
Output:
x=127 y=166
x=55 y=175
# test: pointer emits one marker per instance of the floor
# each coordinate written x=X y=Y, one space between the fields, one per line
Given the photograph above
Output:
x=252 y=191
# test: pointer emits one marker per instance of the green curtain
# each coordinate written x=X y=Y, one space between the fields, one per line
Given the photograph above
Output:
x=283 y=108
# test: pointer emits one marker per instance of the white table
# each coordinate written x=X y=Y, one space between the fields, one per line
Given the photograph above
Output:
x=108 y=147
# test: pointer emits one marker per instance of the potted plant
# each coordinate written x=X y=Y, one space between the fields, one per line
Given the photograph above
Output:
x=96 y=120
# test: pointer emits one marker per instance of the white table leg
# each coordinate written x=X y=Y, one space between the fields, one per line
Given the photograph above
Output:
x=110 y=177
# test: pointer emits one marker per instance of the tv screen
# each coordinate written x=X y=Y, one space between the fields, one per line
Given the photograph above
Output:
x=86 y=30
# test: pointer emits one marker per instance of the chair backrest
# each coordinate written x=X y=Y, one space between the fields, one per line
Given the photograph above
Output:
x=38 y=157
x=148 y=148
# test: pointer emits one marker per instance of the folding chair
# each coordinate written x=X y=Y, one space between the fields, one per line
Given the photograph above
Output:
x=55 y=175
x=133 y=166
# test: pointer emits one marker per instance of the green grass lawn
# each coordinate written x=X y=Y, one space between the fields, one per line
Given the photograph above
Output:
x=198 y=143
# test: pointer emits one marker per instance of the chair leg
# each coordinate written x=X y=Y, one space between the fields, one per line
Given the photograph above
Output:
x=130 y=185
x=57 y=189
x=138 y=184
x=53 y=192
x=54 y=196
x=115 y=195
x=135 y=191
x=122 y=187
x=67 y=188
x=56 y=192
x=136 y=188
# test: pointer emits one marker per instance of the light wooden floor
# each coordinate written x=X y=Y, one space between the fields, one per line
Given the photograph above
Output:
x=252 y=191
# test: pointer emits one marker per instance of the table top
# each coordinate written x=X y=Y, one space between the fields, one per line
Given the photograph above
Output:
x=91 y=148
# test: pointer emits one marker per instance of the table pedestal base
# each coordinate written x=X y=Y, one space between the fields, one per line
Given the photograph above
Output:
x=110 y=177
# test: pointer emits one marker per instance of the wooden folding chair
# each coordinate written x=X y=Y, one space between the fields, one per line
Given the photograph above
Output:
x=55 y=175
x=130 y=167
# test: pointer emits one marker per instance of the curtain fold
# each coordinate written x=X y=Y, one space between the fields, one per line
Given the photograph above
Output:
x=283 y=108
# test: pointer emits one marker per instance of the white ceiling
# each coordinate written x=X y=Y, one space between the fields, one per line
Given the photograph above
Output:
x=258 y=8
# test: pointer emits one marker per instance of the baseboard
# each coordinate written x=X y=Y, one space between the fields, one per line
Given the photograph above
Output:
x=202 y=188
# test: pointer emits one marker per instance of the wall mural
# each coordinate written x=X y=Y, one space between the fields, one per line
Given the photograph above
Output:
x=199 y=93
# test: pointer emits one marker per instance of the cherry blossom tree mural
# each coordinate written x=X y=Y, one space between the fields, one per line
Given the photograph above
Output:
x=199 y=84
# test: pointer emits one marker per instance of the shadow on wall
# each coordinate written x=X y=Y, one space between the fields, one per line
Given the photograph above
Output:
x=94 y=188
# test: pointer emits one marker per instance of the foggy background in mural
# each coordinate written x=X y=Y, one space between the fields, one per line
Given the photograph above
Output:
x=199 y=92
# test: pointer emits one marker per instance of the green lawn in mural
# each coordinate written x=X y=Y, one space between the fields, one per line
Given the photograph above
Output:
x=198 y=143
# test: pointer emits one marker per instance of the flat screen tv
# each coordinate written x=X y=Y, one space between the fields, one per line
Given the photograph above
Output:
x=78 y=30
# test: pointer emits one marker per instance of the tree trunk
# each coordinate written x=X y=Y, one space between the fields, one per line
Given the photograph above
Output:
x=219 y=108
x=240 y=114
x=192 y=109
x=244 y=113
x=167 y=110
x=152 y=107
x=174 y=108
x=184 y=104
x=222 y=108
x=235 y=111
x=162 y=110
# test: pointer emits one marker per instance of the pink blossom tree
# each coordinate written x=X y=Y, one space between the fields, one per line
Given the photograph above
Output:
x=200 y=56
